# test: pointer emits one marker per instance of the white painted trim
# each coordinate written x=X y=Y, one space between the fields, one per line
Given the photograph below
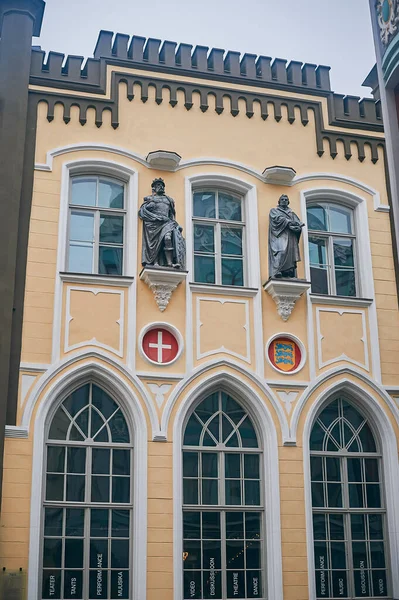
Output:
x=27 y=381
x=33 y=367
x=223 y=349
x=94 y=341
x=87 y=147
x=319 y=335
x=262 y=418
x=224 y=290
x=129 y=402
x=287 y=384
x=379 y=420
x=176 y=334
x=160 y=376
x=96 y=279
x=300 y=345
x=339 y=300
x=12 y=431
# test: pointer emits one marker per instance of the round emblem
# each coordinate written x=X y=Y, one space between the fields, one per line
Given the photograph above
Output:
x=160 y=346
x=388 y=19
x=285 y=354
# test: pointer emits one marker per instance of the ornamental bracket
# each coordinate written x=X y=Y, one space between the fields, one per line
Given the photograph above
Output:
x=162 y=282
x=285 y=293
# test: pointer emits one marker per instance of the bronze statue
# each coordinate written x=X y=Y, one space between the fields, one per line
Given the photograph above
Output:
x=285 y=229
x=163 y=242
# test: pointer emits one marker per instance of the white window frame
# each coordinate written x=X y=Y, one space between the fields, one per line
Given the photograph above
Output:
x=96 y=210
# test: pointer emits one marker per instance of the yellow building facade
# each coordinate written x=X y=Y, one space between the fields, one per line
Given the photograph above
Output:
x=289 y=484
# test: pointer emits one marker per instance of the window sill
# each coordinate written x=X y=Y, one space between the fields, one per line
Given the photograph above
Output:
x=120 y=280
x=340 y=300
x=224 y=290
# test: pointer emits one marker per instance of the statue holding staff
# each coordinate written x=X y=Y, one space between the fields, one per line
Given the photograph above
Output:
x=285 y=230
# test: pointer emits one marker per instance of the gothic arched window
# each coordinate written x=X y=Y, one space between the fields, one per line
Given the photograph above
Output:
x=348 y=505
x=223 y=521
x=87 y=508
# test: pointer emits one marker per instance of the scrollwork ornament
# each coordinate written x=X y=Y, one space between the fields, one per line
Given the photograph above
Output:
x=388 y=19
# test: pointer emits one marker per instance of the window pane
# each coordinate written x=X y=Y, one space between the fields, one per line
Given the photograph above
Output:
x=192 y=584
x=98 y=584
x=232 y=272
x=120 y=523
x=317 y=251
x=55 y=487
x=110 y=261
x=80 y=258
x=231 y=239
x=190 y=491
x=120 y=554
x=73 y=584
x=233 y=466
x=99 y=522
x=120 y=584
x=121 y=462
x=345 y=282
x=75 y=488
x=53 y=521
x=121 y=489
x=84 y=191
x=235 y=525
x=233 y=491
x=100 y=489
x=75 y=518
x=209 y=464
x=52 y=552
x=204 y=238
x=110 y=194
x=81 y=227
x=100 y=461
x=204 y=205
x=211 y=525
x=340 y=219
x=317 y=218
x=51 y=584
x=229 y=207
x=74 y=553
x=204 y=269
x=76 y=462
x=209 y=491
x=55 y=459
x=111 y=229
x=343 y=252
x=252 y=492
x=192 y=525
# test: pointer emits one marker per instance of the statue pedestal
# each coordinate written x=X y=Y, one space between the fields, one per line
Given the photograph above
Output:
x=163 y=282
x=285 y=293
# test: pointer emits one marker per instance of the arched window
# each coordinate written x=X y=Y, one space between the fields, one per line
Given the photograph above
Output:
x=222 y=503
x=218 y=234
x=87 y=509
x=332 y=249
x=348 y=506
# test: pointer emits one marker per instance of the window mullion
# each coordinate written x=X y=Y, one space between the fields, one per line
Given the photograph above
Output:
x=96 y=252
x=218 y=253
x=331 y=266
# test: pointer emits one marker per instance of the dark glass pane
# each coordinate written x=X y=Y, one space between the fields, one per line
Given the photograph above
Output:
x=55 y=487
x=213 y=427
x=211 y=525
x=229 y=207
x=340 y=584
x=75 y=488
x=193 y=557
x=375 y=527
x=253 y=555
x=333 y=466
x=248 y=435
x=192 y=432
x=317 y=218
x=345 y=282
x=98 y=584
x=252 y=525
x=111 y=229
x=319 y=527
x=120 y=523
x=209 y=491
x=211 y=555
x=338 y=555
x=192 y=525
x=204 y=205
x=100 y=461
x=98 y=554
x=235 y=525
x=55 y=459
x=334 y=492
x=251 y=466
x=59 y=426
x=190 y=491
x=77 y=400
x=192 y=585
x=371 y=469
x=320 y=555
x=356 y=495
x=83 y=191
x=317 y=494
x=252 y=492
x=120 y=554
x=208 y=440
x=322 y=582
x=103 y=402
x=51 y=584
x=339 y=219
x=204 y=269
x=367 y=439
x=120 y=585
x=317 y=252
x=329 y=414
x=73 y=553
x=359 y=552
x=254 y=584
x=343 y=252
x=73 y=585
x=352 y=415
x=231 y=240
x=334 y=440
x=110 y=194
x=380 y=583
x=75 y=520
x=53 y=521
x=354 y=469
x=377 y=555
x=227 y=428
x=119 y=429
x=110 y=260
x=121 y=489
x=233 y=491
x=358 y=527
x=212 y=584
x=99 y=489
x=82 y=420
x=102 y=435
x=232 y=408
x=316 y=468
x=232 y=271
x=76 y=460
x=373 y=495
x=233 y=441
x=52 y=552
x=319 y=280
x=75 y=435
x=337 y=531
x=235 y=582
x=317 y=437
x=235 y=553
x=232 y=465
x=204 y=240
x=97 y=422
x=209 y=464
x=190 y=464
x=361 y=578
x=99 y=522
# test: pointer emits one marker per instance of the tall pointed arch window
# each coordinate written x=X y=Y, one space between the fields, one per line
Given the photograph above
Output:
x=222 y=503
x=87 y=508
x=348 y=506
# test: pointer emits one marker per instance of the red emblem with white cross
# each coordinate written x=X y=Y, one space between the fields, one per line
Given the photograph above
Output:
x=160 y=345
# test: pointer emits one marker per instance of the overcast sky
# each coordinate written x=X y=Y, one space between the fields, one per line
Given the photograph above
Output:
x=330 y=32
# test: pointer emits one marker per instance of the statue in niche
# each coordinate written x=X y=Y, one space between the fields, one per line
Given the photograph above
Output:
x=163 y=242
x=285 y=230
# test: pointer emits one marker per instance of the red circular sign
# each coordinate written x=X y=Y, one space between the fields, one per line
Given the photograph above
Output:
x=284 y=354
x=160 y=345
